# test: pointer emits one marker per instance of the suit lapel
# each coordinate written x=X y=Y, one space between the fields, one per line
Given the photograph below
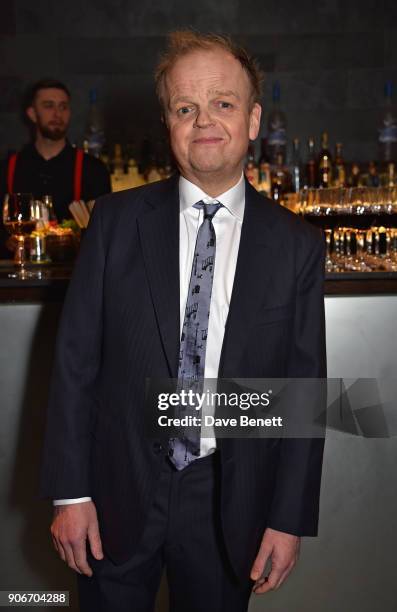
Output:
x=254 y=267
x=159 y=234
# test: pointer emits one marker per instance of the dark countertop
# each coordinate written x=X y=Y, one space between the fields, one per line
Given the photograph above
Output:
x=54 y=279
x=50 y=286
x=361 y=283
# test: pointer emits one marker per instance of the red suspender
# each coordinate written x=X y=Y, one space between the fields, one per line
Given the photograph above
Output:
x=11 y=172
x=78 y=173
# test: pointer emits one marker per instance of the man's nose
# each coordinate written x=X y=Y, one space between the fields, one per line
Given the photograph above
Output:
x=203 y=119
x=58 y=112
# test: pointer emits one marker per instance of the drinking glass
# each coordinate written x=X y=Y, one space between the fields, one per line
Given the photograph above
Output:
x=359 y=260
x=41 y=212
x=360 y=200
x=329 y=264
x=302 y=201
x=19 y=221
x=338 y=256
x=343 y=205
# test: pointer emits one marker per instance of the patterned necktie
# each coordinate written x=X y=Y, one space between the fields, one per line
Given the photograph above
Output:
x=186 y=448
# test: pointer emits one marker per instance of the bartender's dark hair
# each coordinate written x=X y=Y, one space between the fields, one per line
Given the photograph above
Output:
x=183 y=42
x=43 y=84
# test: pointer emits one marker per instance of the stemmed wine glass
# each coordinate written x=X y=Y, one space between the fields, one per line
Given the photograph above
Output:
x=19 y=220
x=329 y=264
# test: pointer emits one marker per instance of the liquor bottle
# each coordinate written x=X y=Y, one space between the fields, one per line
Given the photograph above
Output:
x=355 y=176
x=391 y=174
x=118 y=177
x=149 y=161
x=134 y=178
x=311 y=166
x=340 y=169
x=373 y=179
x=296 y=167
x=118 y=161
x=95 y=135
x=265 y=178
x=251 y=168
x=152 y=173
x=277 y=128
x=281 y=180
x=324 y=163
x=388 y=129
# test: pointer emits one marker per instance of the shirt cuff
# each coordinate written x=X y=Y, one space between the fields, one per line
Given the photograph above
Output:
x=65 y=502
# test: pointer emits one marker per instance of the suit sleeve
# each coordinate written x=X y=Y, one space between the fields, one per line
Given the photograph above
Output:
x=65 y=469
x=295 y=504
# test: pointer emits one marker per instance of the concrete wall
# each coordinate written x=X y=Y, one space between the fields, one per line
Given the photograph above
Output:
x=331 y=58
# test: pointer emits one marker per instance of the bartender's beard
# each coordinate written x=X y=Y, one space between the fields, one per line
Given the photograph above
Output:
x=56 y=133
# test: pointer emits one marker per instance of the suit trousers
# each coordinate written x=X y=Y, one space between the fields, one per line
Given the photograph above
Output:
x=183 y=533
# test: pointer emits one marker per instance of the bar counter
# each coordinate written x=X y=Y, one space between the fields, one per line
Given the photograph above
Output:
x=54 y=280
x=50 y=287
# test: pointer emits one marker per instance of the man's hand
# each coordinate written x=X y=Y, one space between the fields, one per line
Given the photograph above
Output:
x=283 y=548
x=71 y=525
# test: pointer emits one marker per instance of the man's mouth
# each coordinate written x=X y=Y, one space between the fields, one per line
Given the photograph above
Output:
x=207 y=141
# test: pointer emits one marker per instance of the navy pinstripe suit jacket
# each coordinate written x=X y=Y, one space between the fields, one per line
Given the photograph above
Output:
x=120 y=325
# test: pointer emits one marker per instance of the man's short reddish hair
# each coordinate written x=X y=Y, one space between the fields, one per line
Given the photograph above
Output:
x=182 y=42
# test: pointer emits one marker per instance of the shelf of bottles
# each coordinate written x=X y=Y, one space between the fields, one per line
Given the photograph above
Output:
x=356 y=206
x=357 y=211
x=354 y=203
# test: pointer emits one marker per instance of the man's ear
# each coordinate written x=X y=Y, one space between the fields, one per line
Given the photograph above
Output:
x=164 y=119
x=255 y=121
x=31 y=113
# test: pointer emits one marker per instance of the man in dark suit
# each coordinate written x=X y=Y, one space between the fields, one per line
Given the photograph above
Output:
x=201 y=253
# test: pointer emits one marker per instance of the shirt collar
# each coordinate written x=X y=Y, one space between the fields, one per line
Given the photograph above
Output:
x=233 y=199
x=29 y=150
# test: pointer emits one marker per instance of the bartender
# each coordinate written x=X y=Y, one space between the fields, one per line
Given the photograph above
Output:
x=49 y=165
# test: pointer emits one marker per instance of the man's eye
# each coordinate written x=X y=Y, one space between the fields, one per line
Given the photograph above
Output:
x=184 y=110
x=223 y=104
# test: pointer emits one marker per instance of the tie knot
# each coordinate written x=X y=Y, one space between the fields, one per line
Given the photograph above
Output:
x=210 y=210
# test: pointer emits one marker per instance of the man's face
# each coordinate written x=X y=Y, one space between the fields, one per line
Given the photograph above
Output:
x=208 y=114
x=50 y=112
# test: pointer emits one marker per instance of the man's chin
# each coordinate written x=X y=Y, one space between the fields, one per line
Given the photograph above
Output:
x=209 y=165
x=54 y=135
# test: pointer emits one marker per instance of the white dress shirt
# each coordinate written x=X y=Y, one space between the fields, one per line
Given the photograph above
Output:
x=227 y=225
